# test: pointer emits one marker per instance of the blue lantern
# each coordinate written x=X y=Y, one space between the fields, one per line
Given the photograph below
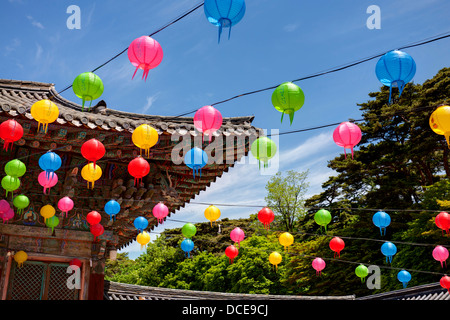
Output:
x=50 y=162
x=196 y=159
x=224 y=13
x=187 y=245
x=381 y=219
x=395 y=69
x=404 y=277
x=388 y=249
x=112 y=207
x=140 y=223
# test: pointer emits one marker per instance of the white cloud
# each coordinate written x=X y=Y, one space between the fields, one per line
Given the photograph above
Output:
x=38 y=51
x=290 y=27
x=35 y=23
x=149 y=102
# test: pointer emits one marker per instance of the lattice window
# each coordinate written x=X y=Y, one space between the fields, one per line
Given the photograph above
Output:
x=57 y=284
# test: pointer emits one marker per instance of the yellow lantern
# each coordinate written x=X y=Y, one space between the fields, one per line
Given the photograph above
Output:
x=275 y=259
x=44 y=111
x=212 y=213
x=440 y=122
x=91 y=173
x=47 y=211
x=143 y=238
x=20 y=257
x=286 y=239
x=144 y=137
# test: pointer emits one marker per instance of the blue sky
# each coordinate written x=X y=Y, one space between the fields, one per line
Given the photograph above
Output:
x=276 y=41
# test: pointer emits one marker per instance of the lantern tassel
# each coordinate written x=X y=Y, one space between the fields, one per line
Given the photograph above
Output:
x=135 y=72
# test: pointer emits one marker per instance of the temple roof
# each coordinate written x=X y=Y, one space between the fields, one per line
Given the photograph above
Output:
x=171 y=183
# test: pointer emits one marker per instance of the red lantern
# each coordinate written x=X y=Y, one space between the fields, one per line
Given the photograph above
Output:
x=93 y=217
x=138 y=168
x=93 y=150
x=10 y=131
x=75 y=262
x=445 y=283
x=337 y=244
x=231 y=252
x=266 y=216
x=442 y=220
x=97 y=230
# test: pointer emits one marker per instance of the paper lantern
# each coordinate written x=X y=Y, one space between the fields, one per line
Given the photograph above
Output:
x=87 y=86
x=52 y=222
x=143 y=238
x=93 y=150
x=91 y=173
x=10 y=184
x=286 y=239
x=187 y=245
x=275 y=259
x=224 y=13
x=207 y=120
x=112 y=208
x=389 y=250
x=15 y=168
x=347 y=135
x=145 y=53
x=4 y=206
x=196 y=159
x=138 y=168
x=21 y=202
x=395 y=69
x=404 y=277
x=75 y=263
x=440 y=254
x=93 y=217
x=266 y=216
x=65 y=204
x=288 y=98
x=237 y=235
x=47 y=212
x=440 y=122
x=442 y=221
x=97 y=230
x=140 y=223
x=20 y=257
x=144 y=137
x=337 y=245
x=381 y=219
x=445 y=283
x=8 y=215
x=160 y=211
x=47 y=181
x=362 y=271
x=212 y=213
x=231 y=252
x=44 y=112
x=318 y=264
x=322 y=218
x=50 y=162
x=263 y=149
x=189 y=230
x=10 y=131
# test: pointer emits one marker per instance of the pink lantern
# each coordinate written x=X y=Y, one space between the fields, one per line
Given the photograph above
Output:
x=440 y=253
x=208 y=120
x=160 y=211
x=47 y=181
x=318 y=265
x=237 y=235
x=347 y=135
x=4 y=206
x=6 y=216
x=65 y=205
x=145 y=53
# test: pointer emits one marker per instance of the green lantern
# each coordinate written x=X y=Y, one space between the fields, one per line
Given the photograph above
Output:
x=52 y=222
x=322 y=218
x=188 y=230
x=15 y=168
x=10 y=184
x=87 y=86
x=288 y=98
x=263 y=149
x=21 y=202
x=362 y=271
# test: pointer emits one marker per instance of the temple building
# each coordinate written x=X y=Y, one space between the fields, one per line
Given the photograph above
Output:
x=46 y=273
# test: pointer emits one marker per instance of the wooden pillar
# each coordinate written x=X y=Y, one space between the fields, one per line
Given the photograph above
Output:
x=97 y=274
